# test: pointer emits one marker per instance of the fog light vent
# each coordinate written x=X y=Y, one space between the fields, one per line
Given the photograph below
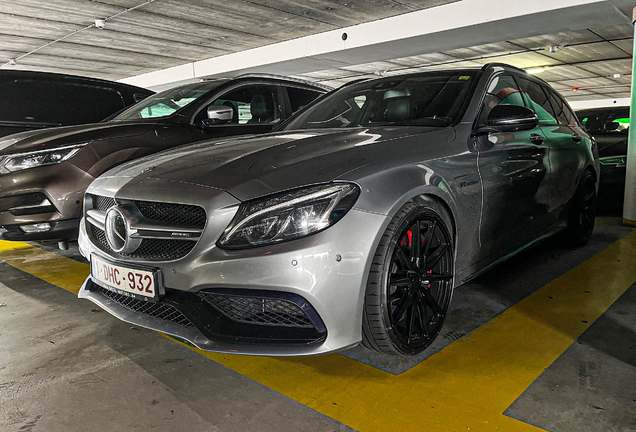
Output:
x=254 y=310
x=36 y=228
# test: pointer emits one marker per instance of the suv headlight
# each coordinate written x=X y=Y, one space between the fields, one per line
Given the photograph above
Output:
x=20 y=161
x=288 y=215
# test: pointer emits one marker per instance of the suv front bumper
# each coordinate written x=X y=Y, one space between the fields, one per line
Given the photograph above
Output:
x=62 y=185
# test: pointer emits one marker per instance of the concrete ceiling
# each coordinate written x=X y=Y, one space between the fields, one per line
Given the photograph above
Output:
x=145 y=36
x=165 y=33
x=586 y=60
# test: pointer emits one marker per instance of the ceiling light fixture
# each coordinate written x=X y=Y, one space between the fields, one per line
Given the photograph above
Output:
x=12 y=62
x=537 y=70
x=617 y=75
x=100 y=23
x=553 y=48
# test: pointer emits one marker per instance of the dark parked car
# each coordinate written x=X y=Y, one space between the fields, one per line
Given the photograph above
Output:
x=351 y=223
x=37 y=100
x=44 y=173
x=609 y=126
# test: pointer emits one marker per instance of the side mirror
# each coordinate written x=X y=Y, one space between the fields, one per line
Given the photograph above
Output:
x=512 y=118
x=612 y=126
x=218 y=114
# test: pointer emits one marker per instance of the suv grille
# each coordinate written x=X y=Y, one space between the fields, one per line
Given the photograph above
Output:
x=255 y=310
x=159 y=310
x=155 y=213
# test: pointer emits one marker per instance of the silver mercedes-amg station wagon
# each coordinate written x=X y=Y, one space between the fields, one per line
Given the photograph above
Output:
x=352 y=222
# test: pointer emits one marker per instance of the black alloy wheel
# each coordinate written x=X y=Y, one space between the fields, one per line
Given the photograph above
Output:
x=405 y=309
x=583 y=211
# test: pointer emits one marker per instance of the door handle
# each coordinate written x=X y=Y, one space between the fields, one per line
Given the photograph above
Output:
x=536 y=139
x=576 y=137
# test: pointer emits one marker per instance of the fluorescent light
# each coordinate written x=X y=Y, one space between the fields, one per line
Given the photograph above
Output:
x=536 y=70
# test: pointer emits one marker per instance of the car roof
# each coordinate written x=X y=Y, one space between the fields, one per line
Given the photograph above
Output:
x=52 y=76
x=266 y=77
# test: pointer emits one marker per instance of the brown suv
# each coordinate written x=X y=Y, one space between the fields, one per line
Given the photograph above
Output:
x=43 y=174
x=37 y=100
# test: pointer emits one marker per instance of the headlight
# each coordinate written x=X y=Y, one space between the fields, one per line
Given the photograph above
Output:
x=20 y=161
x=288 y=215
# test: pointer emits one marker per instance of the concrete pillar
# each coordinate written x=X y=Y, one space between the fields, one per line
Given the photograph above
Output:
x=629 y=206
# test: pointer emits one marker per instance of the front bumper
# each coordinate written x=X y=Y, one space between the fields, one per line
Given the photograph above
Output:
x=328 y=270
x=62 y=185
x=60 y=230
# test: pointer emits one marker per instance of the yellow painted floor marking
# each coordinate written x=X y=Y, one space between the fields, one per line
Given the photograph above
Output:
x=53 y=268
x=467 y=385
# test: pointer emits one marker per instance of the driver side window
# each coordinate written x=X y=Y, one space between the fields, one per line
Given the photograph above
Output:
x=502 y=90
x=252 y=104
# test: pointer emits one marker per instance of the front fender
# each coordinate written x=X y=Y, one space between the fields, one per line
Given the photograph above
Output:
x=453 y=180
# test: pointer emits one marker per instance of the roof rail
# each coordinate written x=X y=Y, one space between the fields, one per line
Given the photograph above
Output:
x=506 y=65
x=281 y=77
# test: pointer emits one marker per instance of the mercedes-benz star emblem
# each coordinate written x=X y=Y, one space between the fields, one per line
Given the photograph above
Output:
x=118 y=233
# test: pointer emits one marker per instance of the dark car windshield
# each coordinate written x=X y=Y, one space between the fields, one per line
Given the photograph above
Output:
x=167 y=102
x=431 y=99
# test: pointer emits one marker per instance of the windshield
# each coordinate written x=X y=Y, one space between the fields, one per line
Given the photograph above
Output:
x=432 y=99
x=167 y=102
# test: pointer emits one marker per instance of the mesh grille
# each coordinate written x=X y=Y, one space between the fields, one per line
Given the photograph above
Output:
x=150 y=249
x=177 y=215
x=102 y=203
x=173 y=214
x=255 y=310
x=163 y=311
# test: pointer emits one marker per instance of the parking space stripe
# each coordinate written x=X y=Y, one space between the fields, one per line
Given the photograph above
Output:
x=53 y=268
x=466 y=386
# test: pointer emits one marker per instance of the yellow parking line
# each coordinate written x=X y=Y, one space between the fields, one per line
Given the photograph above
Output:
x=467 y=385
x=53 y=268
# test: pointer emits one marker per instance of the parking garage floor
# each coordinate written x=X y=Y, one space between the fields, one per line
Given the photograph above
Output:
x=546 y=340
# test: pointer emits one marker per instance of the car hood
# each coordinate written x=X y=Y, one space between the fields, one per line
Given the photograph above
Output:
x=253 y=166
x=50 y=138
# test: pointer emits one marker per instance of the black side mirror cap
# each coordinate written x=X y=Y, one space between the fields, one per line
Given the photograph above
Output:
x=612 y=125
x=512 y=118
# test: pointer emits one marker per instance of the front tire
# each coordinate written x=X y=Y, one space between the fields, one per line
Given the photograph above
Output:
x=410 y=284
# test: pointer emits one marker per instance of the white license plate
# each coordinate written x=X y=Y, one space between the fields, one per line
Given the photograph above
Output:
x=134 y=281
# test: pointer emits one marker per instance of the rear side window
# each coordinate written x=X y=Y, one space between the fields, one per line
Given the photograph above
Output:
x=86 y=103
x=298 y=98
x=537 y=100
x=29 y=102
x=559 y=108
x=572 y=120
